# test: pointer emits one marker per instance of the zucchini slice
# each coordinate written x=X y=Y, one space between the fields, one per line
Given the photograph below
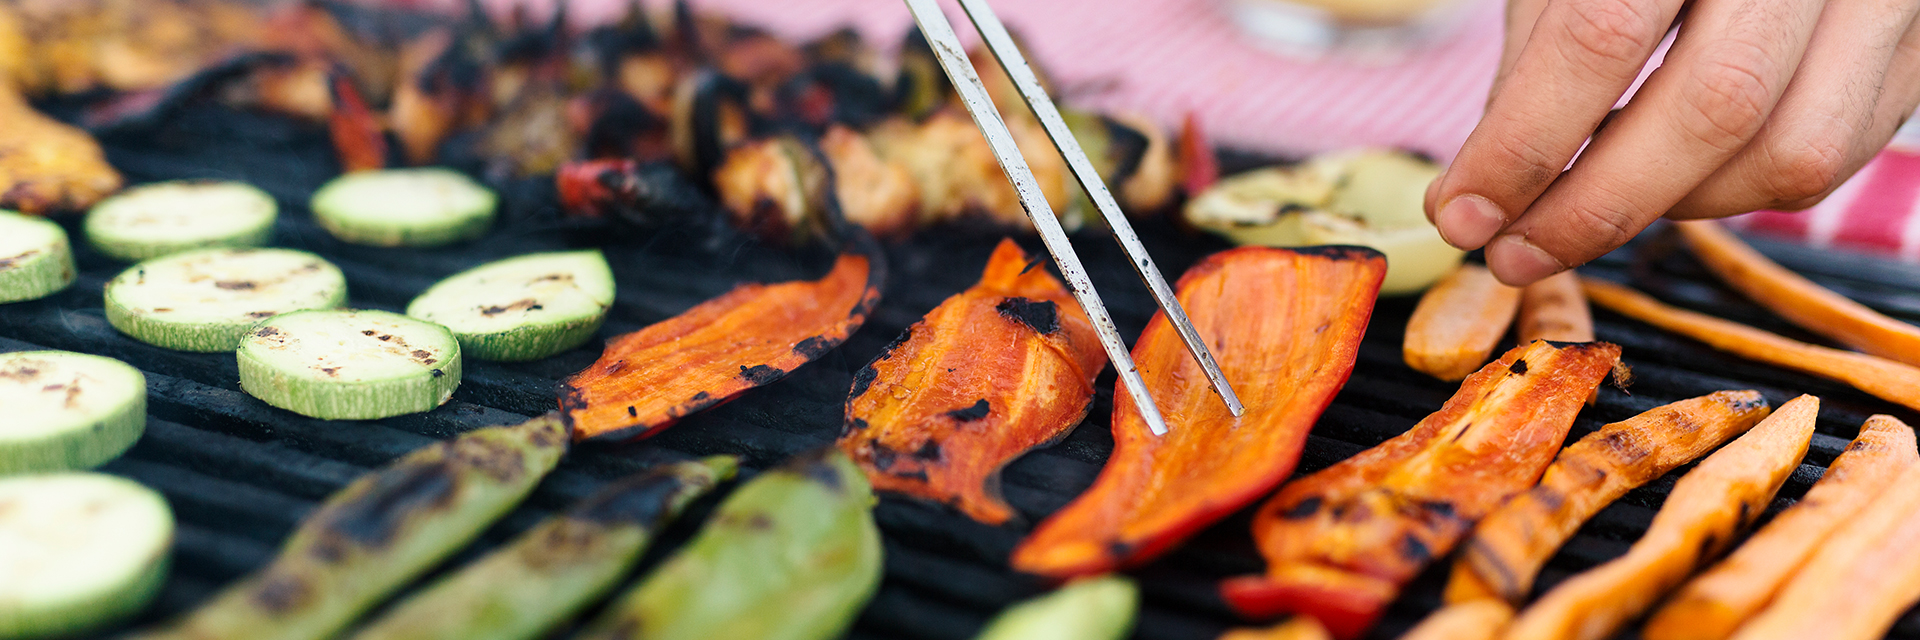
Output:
x=35 y=259
x=349 y=364
x=421 y=207
x=523 y=308
x=67 y=410
x=207 y=300
x=81 y=551
x=170 y=217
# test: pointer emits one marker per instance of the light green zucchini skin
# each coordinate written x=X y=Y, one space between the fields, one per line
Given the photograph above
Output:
x=81 y=447
x=196 y=337
x=791 y=555
x=101 y=609
x=39 y=274
x=125 y=244
x=336 y=203
x=135 y=252
x=300 y=393
x=1099 y=608
x=379 y=533
x=529 y=343
x=533 y=338
x=557 y=568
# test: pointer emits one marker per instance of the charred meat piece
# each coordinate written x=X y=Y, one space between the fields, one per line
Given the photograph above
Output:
x=47 y=165
x=127 y=45
x=873 y=192
x=775 y=188
x=1285 y=326
x=959 y=178
x=993 y=372
x=643 y=195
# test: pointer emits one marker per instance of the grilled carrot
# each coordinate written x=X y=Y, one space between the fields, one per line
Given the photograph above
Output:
x=1340 y=543
x=1285 y=325
x=1886 y=379
x=1860 y=581
x=1297 y=628
x=1705 y=511
x=1001 y=368
x=1799 y=300
x=1458 y=322
x=1511 y=544
x=1472 y=620
x=1713 y=605
x=751 y=336
x=1555 y=309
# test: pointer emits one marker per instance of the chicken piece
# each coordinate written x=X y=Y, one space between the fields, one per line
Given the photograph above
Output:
x=126 y=45
x=47 y=165
x=874 y=193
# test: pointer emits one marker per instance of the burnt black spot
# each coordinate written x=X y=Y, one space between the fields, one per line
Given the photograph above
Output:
x=1519 y=367
x=266 y=331
x=1119 y=549
x=1549 y=498
x=374 y=517
x=817 y=467
x=632 y=412
x=423 y=354
x=929 y=451
x=1413 y=549
x=6 y=263
x=280 y=593
x=1708 y=545
x=760 y=374
x=914 y=474
x=814 y=347
x=883 y=455
x=332 y=371
x=437 y=373
x=368 y=332
x=1438 y=508
x=1031 y=263
x=979 y=410
x=1042 y=316
x=852 y=425
x=236 y=285
x=863 y=379
x=257 y=314
x=905 y=335
x=646 y=500
x=1339 y=252
x=1305 y=508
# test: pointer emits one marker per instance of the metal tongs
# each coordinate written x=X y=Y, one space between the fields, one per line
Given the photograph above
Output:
x=953 y=59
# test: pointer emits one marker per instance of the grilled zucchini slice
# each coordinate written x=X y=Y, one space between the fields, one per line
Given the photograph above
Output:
x=523 y=308
x=67 y=410
x=422 y=207
x=35 y=259
x=207 y=300
x=349 y=364
x=83 y=550
x=170 y=217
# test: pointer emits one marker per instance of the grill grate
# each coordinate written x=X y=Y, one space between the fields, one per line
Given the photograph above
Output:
x=240 y=474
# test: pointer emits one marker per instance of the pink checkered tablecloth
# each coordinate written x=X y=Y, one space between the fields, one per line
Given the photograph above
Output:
x=1168 y=58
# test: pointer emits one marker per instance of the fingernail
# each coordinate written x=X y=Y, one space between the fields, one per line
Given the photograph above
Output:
x=1433 y=192
x=1518 y=262
x=1469 y=221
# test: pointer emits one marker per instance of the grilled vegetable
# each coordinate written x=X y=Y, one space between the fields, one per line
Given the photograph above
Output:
x=404 y=207
x=83 y=550
x=1285 y=326
x=1798 y=299
x=209 y=300
x=555 y=569
x=1458 y=322
x=349 y=364
x=1340 y=543
x=157 y=219
x=751 y=336
x=999 y=369
x=1365 y=197
x=775 y=188
x=523 y=308
x=791 y=555
x=1296 y=628
x=1700 y=518
x=67 y=411
x=1471 y=620
x=358 y=138
x=35 y=259
x=1860 y=580
x=1093 y=609
x=643 y=195
x=378 y=533
x=1509 y=546
x=710 y=116
x=1554 y=309
x=47 y=165
x=1714 y=604
x=1886 y=379
x=873 y=193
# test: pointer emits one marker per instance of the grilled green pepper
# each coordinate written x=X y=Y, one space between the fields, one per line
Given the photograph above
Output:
x=791 y=555
x=379 y=533
x=1093 y=609
x=556 y=568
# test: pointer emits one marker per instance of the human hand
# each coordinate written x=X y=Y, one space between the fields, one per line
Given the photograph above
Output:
x=1760 y=104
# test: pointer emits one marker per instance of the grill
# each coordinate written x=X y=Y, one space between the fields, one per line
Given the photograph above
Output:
x=240 y=474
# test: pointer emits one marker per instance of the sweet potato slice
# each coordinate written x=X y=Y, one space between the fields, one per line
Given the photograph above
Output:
x=1861 y=580
x=1340 y=543
x=1285 y=325
x=1555 y=309
x=994 y=371
x=1885 y=379
x=1471 y=620
x=1458 y=322
x=1511 y=544
x=1714 y=604
x=1703 y=514
x=1799 y=300
x=750 y=336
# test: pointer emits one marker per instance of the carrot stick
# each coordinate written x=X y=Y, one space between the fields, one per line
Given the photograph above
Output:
x=1458 y=322
x=1861 y=580
x=1472 y=620
x=1886 y=379
x=1706 y=509
x=1798 y=299
x=1554 y=309
x=1713 y=605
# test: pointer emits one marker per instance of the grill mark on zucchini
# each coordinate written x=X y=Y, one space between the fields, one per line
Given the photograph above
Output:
x=7 y=263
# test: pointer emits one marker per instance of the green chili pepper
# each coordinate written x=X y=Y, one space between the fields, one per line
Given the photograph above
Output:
x=791 y=555
x=379 y=533
x=1093 y=609
x=556 y=568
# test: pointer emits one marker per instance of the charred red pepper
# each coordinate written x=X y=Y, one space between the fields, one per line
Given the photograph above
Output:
x=1285 y=326
x=994 y=371
x=1340 y=543
x=357 y=135
x=750 y=336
